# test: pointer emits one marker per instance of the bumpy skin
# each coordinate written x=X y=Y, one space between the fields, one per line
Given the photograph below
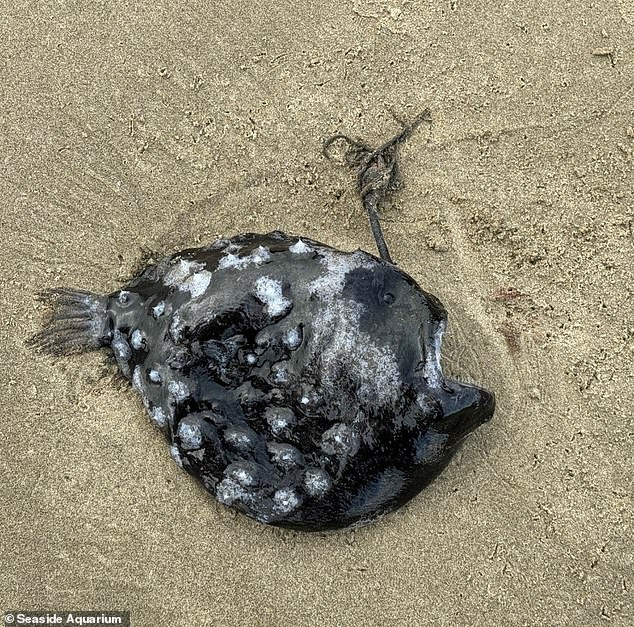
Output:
x=300 y=384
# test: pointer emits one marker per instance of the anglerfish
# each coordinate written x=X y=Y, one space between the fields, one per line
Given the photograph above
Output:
x=301 y=384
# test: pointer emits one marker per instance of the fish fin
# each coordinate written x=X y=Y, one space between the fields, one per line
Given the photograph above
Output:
x=77 y=322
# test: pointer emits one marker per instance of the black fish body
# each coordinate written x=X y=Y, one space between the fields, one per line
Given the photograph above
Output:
x=300 y=384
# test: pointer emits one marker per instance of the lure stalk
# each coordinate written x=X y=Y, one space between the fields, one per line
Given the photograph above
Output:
x=377 y=173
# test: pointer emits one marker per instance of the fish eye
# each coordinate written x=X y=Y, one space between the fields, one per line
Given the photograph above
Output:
x=388 y=298
x=124 y=298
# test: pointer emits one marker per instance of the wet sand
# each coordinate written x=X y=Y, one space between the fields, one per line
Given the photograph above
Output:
x=127 y=129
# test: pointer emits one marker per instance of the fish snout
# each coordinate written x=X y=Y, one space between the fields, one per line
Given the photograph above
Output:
x=465 y=407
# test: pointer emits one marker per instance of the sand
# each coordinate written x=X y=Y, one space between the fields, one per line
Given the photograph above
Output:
x=127 y=127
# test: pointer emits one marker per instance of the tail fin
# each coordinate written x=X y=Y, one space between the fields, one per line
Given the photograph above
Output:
x=78 y=322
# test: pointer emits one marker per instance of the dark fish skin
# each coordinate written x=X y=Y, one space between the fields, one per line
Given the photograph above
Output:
x=300 y=384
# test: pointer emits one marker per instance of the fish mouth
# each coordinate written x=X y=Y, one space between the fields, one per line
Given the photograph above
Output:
x=464 y=406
